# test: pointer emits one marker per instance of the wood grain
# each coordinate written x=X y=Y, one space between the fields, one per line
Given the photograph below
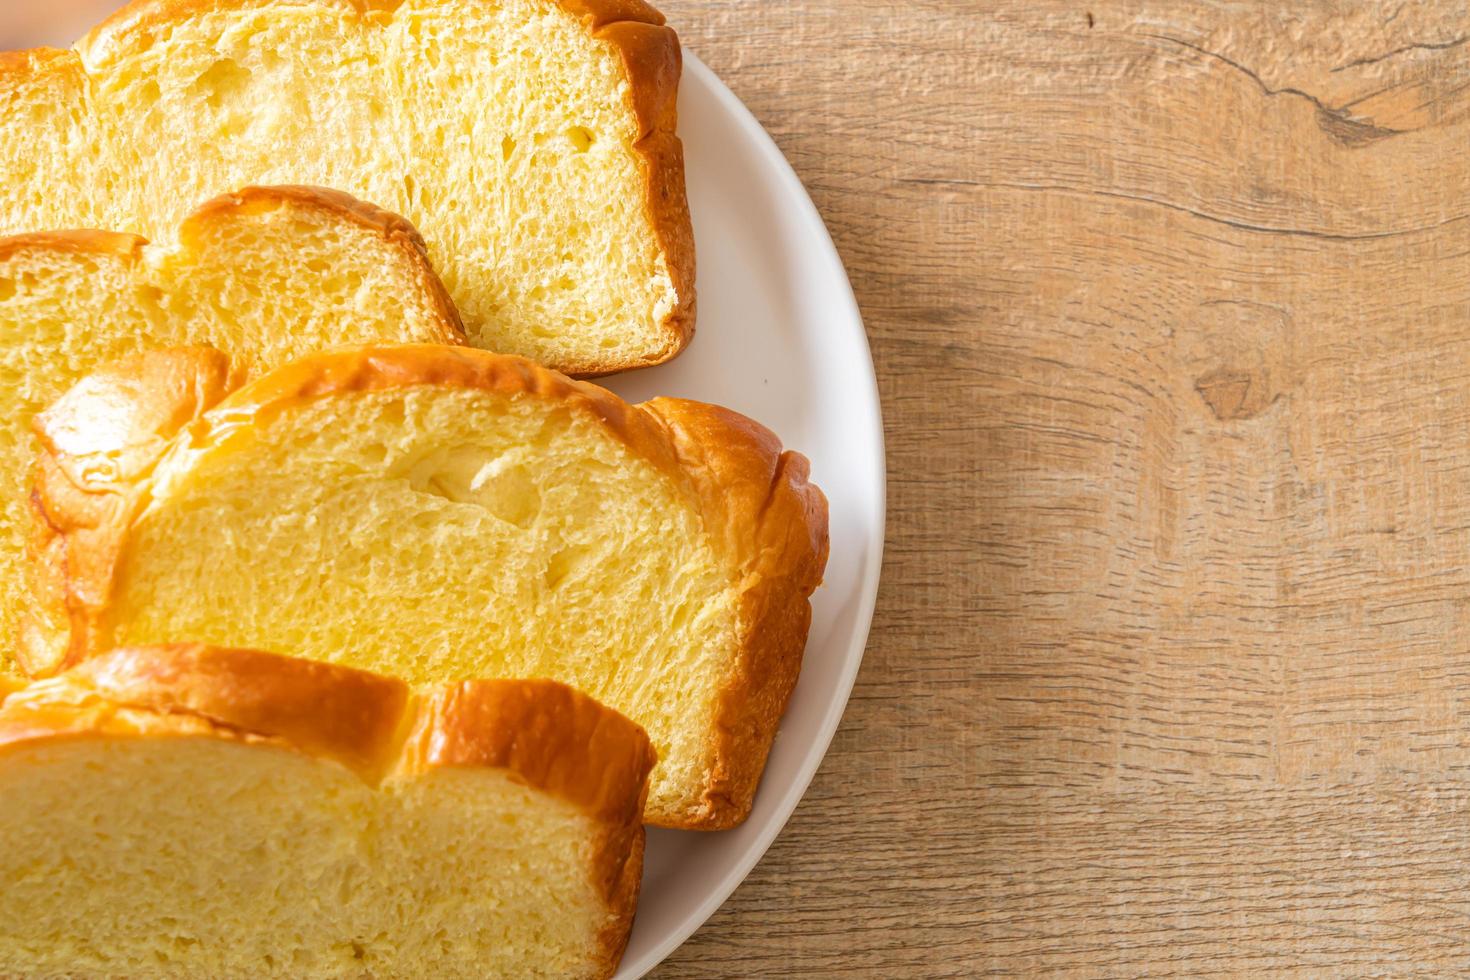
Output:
x=1170 y=303
x=1171 y=309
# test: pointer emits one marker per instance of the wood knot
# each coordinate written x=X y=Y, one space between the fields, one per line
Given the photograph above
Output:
x=1240 y=356
x=1349 y=131
x=1233 y=394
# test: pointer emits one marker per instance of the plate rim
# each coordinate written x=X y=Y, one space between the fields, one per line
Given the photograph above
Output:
x=849 y=318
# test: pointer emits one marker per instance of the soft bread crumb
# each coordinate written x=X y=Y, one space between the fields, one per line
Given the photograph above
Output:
x=438 y=513
x=160 y=831
x=439 y=534
x=266 y=276
x=537 y=157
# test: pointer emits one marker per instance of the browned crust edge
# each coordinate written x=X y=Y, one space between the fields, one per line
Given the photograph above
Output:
x=80 y=242
x=765 y=517
x=776 y=526
x=98 y=444
x=652 y=61
x=348 y=715
x=623 y=900
x=16 y=67
x=565 y=743
x=543 y=733
x=397 y=232
x=554 y=737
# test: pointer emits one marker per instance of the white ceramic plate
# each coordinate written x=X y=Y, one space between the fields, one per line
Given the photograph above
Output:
x=780 y=339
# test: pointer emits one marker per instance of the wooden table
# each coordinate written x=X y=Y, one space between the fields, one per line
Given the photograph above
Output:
x=1170 y=303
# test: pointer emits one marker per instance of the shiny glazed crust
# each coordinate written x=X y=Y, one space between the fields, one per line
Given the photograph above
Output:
x=102 y=440
x=79 y=242
x=512 y=725
x=775 y=525
x=20 y=68
x=551 y=737
x=652 y=63
x=397 y=232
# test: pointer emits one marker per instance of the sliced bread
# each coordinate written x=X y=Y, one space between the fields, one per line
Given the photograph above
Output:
x=267 y=274
x=185 y=811
x=441 y=513
x=532 y=141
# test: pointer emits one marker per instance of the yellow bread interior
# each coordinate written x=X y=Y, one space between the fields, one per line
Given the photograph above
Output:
x=508 y=131
x=189 y=812
x=203 y=856
x=267 y=276
x=440 y=512
x=437 y=534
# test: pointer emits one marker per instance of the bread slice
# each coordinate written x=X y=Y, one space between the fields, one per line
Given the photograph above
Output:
x=193 y=812
x=440 y=513
x=532 y=141
x=266 y=274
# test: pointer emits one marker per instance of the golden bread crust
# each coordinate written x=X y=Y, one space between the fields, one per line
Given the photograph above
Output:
x=623 y=897
x=775 y=528
x=552 y=737
x=257 y=200
x=652 y=61
x=763 y=516
x=19 y=67
x=531 y=727
x=597 y=14
x=396 y=231
x=80 y=242
x=562 y=741
x=374 y=367
x=348 y=715
x=54 y=710
x=99 y=442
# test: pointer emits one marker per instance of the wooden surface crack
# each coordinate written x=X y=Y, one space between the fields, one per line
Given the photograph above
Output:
x=1417 y=46
x=1337 y=121
x=1193 y=212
